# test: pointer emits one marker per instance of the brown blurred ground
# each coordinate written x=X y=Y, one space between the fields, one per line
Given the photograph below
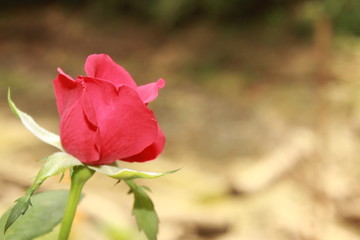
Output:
x=266 y=151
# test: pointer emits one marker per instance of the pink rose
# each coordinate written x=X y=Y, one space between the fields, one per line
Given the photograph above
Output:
x=104 y=116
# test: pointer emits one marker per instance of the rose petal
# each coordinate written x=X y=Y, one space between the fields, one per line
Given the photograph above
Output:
x=67 y=91
x=102 y=66
x=78 y=134
x=150 y=91
x=125 y=125
x=62 y=73
x=151 y=152
x=89 y=109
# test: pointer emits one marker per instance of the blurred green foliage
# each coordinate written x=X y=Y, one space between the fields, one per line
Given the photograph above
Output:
x=345 y=14
x=169 y=13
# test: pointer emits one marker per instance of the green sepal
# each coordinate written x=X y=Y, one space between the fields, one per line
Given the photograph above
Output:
x=116 y=172
x=144 y=211
x=54 y=164
x=40 y=132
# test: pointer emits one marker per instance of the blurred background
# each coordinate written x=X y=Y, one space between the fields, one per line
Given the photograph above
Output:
x=261 y=111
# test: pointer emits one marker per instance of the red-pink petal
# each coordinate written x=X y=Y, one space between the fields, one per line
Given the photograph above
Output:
x=102 y=66
x=78 y=134
x=150 y=91
x=125 y=125
x=67 y=91
x=62 y=73
x=151 y=152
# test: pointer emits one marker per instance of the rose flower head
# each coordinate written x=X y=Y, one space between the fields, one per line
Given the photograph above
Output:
x=104 y=116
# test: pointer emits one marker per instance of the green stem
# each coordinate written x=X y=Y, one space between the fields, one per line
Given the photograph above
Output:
x=78 y=178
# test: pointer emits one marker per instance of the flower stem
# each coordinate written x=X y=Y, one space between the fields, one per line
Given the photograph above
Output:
x=78 y=178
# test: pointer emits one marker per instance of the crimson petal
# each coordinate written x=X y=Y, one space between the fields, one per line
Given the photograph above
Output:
x=149 y=91
x=151 y=152
x=78 y=134
x=125 y=125
x=103 y=67
x=67 y=91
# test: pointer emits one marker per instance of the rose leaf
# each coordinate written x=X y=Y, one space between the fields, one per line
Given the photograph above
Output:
x=55 y=164
x=47 y=211
x=144 y=211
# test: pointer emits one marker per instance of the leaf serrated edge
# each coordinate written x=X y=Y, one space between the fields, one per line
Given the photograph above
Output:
x=49 y=169
x=139 y=194
x=20 y=208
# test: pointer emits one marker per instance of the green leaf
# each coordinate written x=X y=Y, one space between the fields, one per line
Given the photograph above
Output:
x=43 y=134
x=47 y=211
x=54 y=164
x=144 y=211
x=126 y=174
x=20 y=208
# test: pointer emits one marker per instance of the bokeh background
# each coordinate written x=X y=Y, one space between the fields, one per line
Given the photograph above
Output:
x=261 y=111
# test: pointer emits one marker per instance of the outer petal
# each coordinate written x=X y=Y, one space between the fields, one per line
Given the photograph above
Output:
x=149 y=91
x=151 y=152
x=125 y=125
x=102 y=66
x=67 y=91
x=78 y=134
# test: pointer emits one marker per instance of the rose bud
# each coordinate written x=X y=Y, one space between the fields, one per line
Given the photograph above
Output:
x=104 y=116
